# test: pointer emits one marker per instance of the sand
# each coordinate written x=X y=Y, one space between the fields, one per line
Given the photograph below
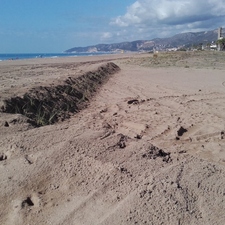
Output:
x=148 y=148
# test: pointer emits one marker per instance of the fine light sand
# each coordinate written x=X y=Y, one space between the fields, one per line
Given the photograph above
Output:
x=148 y=149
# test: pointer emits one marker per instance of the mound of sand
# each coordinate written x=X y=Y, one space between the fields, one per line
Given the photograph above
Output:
x=46 y=105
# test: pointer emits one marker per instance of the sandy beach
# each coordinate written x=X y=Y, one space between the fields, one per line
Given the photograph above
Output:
x=145 y=146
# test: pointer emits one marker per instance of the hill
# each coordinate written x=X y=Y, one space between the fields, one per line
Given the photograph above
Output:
x=176 y=41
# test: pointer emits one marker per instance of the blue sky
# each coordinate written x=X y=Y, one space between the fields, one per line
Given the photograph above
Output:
x=28 y=26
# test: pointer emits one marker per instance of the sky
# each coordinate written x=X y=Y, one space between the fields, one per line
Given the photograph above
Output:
x=53 y=26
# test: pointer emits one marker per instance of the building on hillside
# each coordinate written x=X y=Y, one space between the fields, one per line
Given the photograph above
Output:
x=220 y=32
x=213 y=46
x=220 y=36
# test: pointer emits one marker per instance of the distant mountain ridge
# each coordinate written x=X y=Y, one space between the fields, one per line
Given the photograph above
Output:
x=176 y=41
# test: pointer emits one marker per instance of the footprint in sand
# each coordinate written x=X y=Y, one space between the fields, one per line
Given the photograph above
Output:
x=30 y=159
x=31 y=201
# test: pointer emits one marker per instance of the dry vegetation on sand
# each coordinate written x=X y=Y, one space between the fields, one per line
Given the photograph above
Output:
x=196 y=59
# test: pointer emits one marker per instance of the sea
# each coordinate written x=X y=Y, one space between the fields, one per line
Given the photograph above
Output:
x=47 y=55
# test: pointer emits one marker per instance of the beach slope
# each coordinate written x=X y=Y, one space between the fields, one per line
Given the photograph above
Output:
x=147 y=148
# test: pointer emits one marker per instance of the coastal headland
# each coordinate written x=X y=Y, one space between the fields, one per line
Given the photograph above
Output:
x=113 y=139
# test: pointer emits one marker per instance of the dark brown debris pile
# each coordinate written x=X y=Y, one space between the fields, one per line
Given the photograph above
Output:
x=155 y=152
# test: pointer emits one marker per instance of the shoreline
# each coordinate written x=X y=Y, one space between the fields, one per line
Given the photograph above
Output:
x=36 y=56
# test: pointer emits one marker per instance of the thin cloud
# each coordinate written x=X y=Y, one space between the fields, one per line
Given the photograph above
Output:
x=106 y=35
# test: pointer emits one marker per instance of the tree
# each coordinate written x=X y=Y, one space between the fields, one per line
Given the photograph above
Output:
x=221 y=42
